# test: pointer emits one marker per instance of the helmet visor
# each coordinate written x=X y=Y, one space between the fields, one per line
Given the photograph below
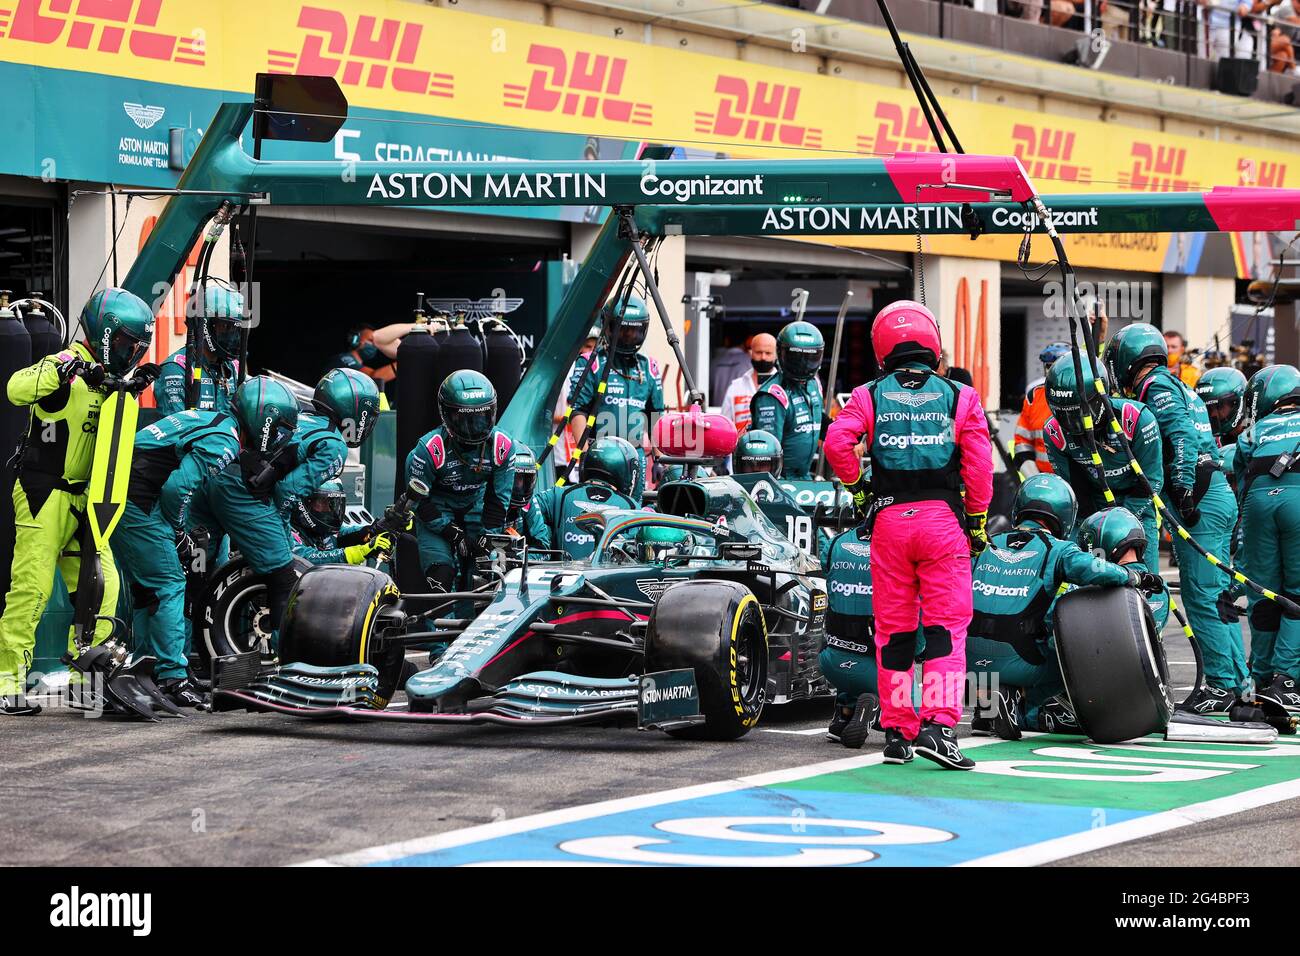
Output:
x=327 y=509
x=751 y=463
x=631 y=336
x=223 y=337
x=525 y=482
x=125 y=350
x=1224 y=413
x=801 y=364
x=471 y=426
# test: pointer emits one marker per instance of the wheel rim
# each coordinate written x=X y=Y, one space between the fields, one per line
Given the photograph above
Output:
x=751 y=662
x=246 y=622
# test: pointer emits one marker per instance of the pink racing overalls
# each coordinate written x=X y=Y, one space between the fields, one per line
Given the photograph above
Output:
x=932 y=463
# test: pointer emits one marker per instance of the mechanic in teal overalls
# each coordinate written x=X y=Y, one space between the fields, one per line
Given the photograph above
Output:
x=321 y=537
x=239 y=500
x=1269 y=481
x=607 y=473
x=848 y=661
x=174 y=457
x=1118 y=536
x=1204 y=503
x=468 y=465
x=1016 y=580
x=633 y=390
x=789 y=404
x=217 y=338
x=1066 y=449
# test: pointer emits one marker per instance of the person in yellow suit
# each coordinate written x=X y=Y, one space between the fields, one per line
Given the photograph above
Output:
x=64 y=392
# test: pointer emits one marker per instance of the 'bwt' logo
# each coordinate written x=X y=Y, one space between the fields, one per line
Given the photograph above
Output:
x=1157 y=170
x=898 y=132
x=115 y=20
x=592 y=82
x=759 y=115
x=376 y=48
x=1045 y=153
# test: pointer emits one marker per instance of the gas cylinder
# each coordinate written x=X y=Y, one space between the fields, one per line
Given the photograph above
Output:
x=15 y=354
x=503 y=359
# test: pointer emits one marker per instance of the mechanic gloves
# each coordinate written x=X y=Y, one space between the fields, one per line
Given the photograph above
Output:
x=1144 y=580
x=975 y=531
x=381 y=544
x=1185 y=500
x=92 y=374
x=860 y=492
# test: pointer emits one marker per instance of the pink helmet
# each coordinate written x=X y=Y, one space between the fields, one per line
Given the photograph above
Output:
x=905 y=331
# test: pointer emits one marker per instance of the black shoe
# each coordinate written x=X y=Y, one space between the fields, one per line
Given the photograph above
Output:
x=938 y=743
x=1281 y=690
x=1208 y=700
x=18 y=706
x=898 y=749
x=181 y=692
x=1057 y=717
x=865 y=712
x=1006 y=724
x=839 y=721
x=980 y=726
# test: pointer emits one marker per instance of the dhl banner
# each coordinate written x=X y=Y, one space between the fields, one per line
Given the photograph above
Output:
x=456 y=70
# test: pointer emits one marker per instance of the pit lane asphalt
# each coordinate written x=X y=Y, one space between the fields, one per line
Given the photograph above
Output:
x=244 y=789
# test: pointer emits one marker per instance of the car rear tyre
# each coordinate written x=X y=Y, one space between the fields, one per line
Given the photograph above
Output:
x=232 y=616
x=717 y=628
x=331 y=621
x=1113 y=663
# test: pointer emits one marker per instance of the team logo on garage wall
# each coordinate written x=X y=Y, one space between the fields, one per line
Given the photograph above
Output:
x=484 y=308
x=377 y=53
x=143 y=116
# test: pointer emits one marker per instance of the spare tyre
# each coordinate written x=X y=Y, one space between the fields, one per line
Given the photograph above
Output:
x=1113 y=663
x=233 y=616
x=717 y=628
x=331 y=621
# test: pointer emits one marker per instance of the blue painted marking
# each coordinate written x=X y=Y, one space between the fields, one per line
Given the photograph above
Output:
x=970 y=829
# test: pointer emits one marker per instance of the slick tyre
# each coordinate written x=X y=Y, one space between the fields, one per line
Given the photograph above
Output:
x=1113 y=663
x=717 y=628
x=232 y=615
x=331 y=621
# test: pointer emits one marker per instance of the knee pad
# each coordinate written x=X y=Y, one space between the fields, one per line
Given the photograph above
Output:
x=442 y=575
x=278 y=585
x=899 y=650
x=938 y=642
x=1266 y=616
x=145 y=599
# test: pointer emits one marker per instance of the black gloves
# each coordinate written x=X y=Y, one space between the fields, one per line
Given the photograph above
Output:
x=1022 y=458
x=976 y=532
x=1229 y=613
x=1185 y=499
x=92 y=374
x=144 y=376
x=1144 y=580
x=259 y=474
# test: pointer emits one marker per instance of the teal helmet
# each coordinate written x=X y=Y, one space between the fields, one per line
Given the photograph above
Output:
x=1223 y=390
x=1270 y=387
x=221 y=322
x=524 y=463
x=659 y=542
x=1064 y=398
x=322 y=512
x=267 y=414
x=758 y=450
x=119 y=328
x=467 y=402
x=1132 y=348
x=1049 y=355
x=673 y=473
x=633 y=326
x=350 y=400
x=1112 y=532
x=612 y=461
x=799 y=348
x=1049 y=500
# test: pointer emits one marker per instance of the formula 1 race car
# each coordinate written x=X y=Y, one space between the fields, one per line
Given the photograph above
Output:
x=688 y=620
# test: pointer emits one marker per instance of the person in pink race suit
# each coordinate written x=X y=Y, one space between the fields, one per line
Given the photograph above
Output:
x=928 y=495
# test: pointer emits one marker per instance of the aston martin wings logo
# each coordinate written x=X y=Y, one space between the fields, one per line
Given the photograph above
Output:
x=912 y=399
x=652 y=588
x=1012 y=557
x=475 y=308
x=143 y=116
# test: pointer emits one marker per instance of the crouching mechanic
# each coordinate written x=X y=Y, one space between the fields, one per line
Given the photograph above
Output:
x=173 y=459
x=468 y=465
x=64 y=392
x=849 y=659
x=789 y=405
x=1269 y=479
x=1116 y=535
x=1015 y=582
x=607 y=474
x=1203 y=501
x=321 y=537
x=928 y=441
x=240 y=500
x=1067 y=448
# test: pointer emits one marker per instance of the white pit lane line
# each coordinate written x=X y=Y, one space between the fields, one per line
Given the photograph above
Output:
x=1033 y=855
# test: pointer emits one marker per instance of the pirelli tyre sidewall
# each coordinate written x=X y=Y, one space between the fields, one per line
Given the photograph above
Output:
x=717 y=628
x=1113 y=663
x=235 y=596
x=331 y=619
